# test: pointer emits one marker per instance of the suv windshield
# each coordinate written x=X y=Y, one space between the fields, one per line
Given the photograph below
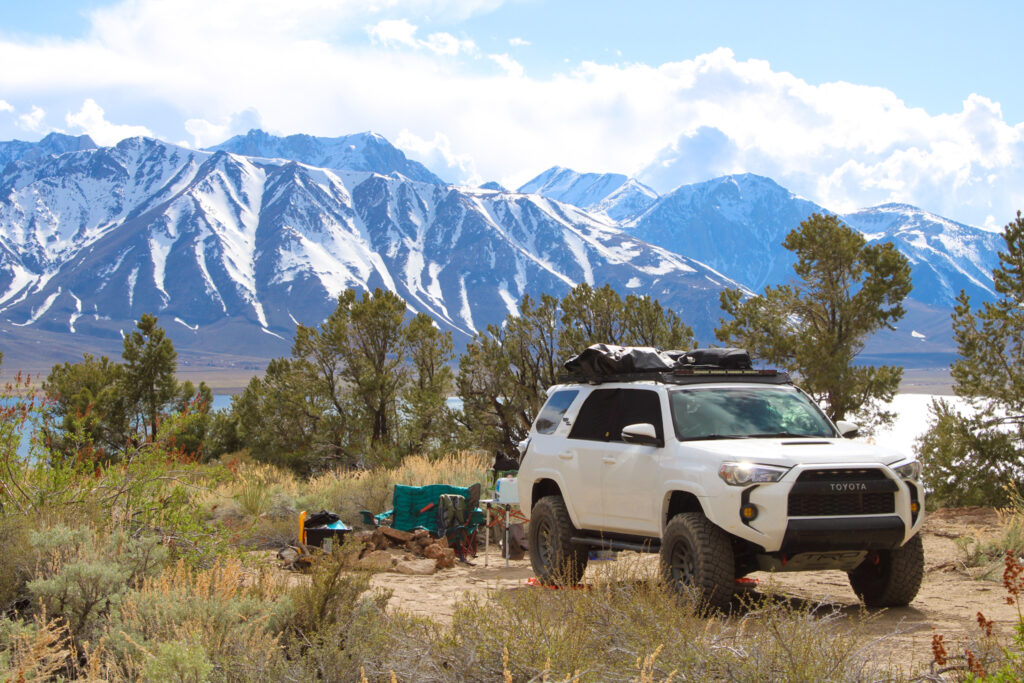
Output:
x=746 y=412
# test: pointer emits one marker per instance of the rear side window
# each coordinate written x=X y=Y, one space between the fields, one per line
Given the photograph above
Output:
x=552 y=412
x=607 y=411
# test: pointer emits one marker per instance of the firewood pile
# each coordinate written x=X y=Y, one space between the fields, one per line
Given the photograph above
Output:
x=402 y=546
x=386 y=550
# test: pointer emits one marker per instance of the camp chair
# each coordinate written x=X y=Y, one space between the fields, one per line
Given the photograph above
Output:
x=421 y=507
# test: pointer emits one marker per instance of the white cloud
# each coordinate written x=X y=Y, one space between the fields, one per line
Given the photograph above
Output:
x=91 y=119
x=402 y=33
x=391 y=32
x=191 y=65
x=447 y=44
x=33 y=120
x=518 y=42
x=509 y=65
x=5 y=106
x=437 y=155
x=206 y=134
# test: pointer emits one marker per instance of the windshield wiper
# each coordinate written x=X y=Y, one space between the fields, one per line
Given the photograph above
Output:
x=783 y=435
x=711 y=437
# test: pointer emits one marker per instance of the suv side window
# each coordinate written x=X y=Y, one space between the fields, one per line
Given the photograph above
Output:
x=552 y=412
x=607 y=411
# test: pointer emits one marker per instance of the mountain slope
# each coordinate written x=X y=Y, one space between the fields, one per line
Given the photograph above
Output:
x=52 y=144
x=735 y=224
x=237 y=250
x=359 y=152
x=613 y=194
x=946 y=257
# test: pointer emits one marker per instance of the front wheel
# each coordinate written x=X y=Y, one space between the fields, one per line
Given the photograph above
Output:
x=697 y=559
x=555 y=558
x=890 y=578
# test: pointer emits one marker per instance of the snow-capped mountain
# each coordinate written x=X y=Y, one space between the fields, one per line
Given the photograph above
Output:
x=613 y=194
x=232 y=247
x=231 y=251
x=54 y=143
x=359 y=152
x=945 y=256
x=735 y=224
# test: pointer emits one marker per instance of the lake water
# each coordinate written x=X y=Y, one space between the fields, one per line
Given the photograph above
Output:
x=912 y=419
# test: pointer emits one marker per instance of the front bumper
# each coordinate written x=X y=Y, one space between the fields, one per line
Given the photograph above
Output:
x=830 y=524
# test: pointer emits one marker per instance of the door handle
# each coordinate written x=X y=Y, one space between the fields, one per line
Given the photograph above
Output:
x=608 y=459
x=567 y=455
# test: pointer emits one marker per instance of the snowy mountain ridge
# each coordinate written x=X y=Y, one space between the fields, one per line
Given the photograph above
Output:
x=235 y=245
x=359 y=152
x=226 y=245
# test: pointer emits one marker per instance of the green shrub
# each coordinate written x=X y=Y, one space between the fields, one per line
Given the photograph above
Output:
x=16 y=560
x=180 y=662
x=82 y=574
x=967 y=461
x=625 y=625
x=236 y=617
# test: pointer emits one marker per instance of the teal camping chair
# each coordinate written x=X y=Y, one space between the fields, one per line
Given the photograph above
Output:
x=450 y=511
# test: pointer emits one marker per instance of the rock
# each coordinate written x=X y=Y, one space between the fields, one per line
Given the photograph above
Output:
x=443 y=542
x=424 y=567
x=420 y=535
x=446 y=560
x=397 y=534
x=379 y=540
x=433 y=551
x=365 y=537
x=377 y=561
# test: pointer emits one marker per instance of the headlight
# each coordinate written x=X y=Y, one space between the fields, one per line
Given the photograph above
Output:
x=910 y=470
x=743 y=473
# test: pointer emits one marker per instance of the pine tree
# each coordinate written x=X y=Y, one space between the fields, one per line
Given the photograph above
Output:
x=816 y=327
x=506 y=370
x=970 y=459
x=148 y=380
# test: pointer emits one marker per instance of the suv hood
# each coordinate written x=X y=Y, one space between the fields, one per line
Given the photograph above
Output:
x=796 y=451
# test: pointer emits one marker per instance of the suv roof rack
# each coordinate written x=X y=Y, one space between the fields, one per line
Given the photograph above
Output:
x=687 y=375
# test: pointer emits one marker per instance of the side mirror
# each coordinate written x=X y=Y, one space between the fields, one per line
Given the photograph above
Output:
x=642 y=433
x=847 y=430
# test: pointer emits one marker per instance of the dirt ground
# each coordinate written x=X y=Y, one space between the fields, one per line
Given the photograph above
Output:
x=950 y=597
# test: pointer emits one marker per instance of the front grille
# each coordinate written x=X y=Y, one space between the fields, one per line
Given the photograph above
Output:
x=842 y=492
x=832 y=505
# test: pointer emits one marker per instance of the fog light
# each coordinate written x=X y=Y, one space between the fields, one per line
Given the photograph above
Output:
x=915 y=507
x=748 y=512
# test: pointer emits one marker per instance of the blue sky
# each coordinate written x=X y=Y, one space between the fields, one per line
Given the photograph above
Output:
x=848 y=104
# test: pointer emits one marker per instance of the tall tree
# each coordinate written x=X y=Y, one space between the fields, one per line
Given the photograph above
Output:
x=590 y=316
x=815 y=328
x=429 y=419
x=368 y=386
x=107 y=407
x=646 y=323
x=506 y=370
x=89 y=409
x=376 y=355
x=970 y=459
x=148 y=379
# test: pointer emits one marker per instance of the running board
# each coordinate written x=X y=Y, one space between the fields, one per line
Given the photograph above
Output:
x=647 y=546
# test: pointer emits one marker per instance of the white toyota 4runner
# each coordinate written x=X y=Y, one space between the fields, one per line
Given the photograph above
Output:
x=723 y=472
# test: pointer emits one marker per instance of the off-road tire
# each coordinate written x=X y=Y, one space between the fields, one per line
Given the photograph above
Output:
x=555 y=558
x=890 y=578
x=697 y=560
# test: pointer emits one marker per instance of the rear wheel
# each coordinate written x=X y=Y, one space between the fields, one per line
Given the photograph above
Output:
x=697 y=559
x=890 y=578
x=555 y=558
